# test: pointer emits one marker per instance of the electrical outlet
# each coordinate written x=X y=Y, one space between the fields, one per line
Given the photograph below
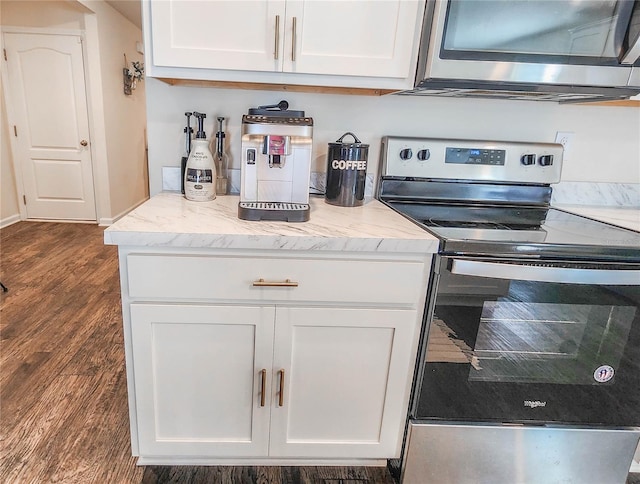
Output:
x=564 y=138
x=171 y=178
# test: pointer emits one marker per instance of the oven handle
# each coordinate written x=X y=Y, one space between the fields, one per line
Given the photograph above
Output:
x=523 y=272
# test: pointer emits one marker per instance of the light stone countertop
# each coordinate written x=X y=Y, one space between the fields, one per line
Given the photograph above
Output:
x=169 y=220
x=627 y=217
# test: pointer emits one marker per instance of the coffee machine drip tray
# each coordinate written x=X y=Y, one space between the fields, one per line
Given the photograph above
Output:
x=278 y=211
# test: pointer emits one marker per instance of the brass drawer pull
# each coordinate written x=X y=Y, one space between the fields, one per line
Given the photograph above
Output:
x=276 y=46
x=263 y=396
x=281 y=393
x=294 y=40
x=285 y=283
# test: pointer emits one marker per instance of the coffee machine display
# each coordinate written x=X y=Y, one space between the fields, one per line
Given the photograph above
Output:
x=276 y=164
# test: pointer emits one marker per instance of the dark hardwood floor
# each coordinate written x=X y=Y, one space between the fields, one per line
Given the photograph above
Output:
x=62 y=384
x=63 y=407
x=64 y=415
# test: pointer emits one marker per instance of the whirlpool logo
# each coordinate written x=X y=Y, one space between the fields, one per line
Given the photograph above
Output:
x=534 y=403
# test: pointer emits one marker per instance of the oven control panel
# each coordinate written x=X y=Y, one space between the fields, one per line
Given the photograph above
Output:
x=474 y=156
x=481 y=160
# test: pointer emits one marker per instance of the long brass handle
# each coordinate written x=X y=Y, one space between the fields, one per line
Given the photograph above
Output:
x=276 y=47
x=285 y=283
x=281 y=393
x=263 y=395
x=293 y=39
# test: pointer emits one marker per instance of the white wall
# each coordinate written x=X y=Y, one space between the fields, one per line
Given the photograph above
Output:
x=605 y=147
x=117 y=121
x=41 y=14
x=124 y=115
x=9 y=212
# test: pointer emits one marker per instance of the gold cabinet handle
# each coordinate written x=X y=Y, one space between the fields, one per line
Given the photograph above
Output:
x=281 y=393
x=84 y=142
x=285 y=283
x=293 y=39
x=263 y=395
x=277 y=39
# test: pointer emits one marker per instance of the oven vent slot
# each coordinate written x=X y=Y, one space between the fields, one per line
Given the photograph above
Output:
x=571 y=265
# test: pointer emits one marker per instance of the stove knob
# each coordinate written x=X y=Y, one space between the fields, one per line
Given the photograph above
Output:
x=406 y=154
x=424 y=155
x=546 y=160
x=528 y=159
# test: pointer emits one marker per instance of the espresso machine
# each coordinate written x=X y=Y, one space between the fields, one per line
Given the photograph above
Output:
x=276 y=164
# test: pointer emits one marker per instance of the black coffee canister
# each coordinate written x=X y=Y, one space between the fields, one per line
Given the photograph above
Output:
x=346 y=172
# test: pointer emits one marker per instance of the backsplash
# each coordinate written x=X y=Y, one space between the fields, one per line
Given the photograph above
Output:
x=600 y=133
x=564 y=193
x=317 y=183
x=601 y=194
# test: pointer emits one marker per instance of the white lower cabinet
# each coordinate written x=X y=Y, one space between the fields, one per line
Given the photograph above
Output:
x=236 y=381
x=197 y=379
x=345 y=373
x=270 y=356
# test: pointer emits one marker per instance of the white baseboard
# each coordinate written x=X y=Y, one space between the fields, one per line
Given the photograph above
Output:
x=5 y=222
x=105 y=222
x=203 y=461
x=635 y=466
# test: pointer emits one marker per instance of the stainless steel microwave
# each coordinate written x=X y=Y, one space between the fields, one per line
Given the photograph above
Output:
x=558 y=50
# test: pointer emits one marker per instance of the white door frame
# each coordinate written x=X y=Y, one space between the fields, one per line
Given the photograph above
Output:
x=98 y=143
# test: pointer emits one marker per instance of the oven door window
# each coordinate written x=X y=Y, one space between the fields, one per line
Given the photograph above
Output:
x=549 y=342
x=526 y=350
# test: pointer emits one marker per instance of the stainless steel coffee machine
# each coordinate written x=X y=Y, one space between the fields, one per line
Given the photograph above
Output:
x=276 y=164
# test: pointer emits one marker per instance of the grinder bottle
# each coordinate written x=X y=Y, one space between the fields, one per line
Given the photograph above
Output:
x=221 y=161
x=200 y=172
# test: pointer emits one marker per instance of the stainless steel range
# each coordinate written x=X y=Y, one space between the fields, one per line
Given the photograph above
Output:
x=529 y=368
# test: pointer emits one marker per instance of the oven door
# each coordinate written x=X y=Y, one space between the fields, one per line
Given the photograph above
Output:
x=539 y=342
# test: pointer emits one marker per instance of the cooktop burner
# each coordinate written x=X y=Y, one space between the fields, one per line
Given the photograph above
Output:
x=476 y=221
x=478 y=225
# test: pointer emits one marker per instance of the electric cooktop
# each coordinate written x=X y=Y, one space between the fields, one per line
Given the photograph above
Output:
x=520 y=230
x=483 y=197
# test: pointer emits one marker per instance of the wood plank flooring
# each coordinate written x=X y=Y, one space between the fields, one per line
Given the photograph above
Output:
x=63 y=406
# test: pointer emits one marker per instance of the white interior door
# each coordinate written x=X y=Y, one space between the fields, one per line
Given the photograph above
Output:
x=49 y=111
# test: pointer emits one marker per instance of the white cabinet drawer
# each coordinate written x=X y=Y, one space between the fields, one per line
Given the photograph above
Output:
x=172 y=277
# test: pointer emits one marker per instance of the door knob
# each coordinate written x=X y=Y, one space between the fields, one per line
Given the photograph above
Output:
x=84 y=142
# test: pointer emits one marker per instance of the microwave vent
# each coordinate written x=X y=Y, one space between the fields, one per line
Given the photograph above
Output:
x=518 y=92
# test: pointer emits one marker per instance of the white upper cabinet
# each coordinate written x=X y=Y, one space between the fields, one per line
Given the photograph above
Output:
x=240 y=35
x=348 y=43
x=351 y=38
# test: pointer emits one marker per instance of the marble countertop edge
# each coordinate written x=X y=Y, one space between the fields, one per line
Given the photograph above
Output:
x=263 y=242
x=167 y=220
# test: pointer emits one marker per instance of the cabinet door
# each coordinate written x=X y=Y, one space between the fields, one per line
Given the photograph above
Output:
x=198 y=379
x=347 y=377
x=352 y=38
x=247 y=35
